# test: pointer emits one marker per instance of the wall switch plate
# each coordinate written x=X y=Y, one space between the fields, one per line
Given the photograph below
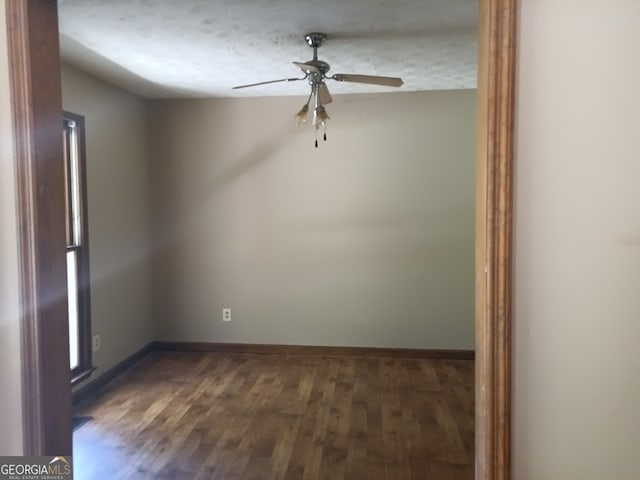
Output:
x=96 y=342
x=226 y=314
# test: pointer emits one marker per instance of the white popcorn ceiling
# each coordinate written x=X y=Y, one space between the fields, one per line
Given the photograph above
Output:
x=198 y=48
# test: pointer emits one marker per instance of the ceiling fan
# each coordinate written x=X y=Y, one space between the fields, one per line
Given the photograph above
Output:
x=316 y=72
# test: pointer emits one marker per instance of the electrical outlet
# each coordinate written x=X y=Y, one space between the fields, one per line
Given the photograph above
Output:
x=96 y=342
x=226 y=314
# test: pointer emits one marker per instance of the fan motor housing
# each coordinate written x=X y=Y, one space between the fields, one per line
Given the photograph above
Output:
x=324 y=67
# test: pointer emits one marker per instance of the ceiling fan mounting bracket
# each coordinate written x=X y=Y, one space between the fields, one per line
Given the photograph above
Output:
x=315 y=39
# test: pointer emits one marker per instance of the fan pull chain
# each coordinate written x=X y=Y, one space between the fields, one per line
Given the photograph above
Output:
x=316 y=138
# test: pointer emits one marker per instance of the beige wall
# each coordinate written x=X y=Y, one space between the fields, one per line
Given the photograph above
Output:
x=366 y=240
x=577 y=271
x=10 y=382
x=118 y=200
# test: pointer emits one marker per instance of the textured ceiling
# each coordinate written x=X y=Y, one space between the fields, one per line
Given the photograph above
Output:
x=197 y=48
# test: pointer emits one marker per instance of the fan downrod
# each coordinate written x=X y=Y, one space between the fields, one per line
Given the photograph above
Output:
x=314 y=40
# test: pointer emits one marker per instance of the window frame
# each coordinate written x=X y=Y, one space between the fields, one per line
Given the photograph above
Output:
x=78 y=241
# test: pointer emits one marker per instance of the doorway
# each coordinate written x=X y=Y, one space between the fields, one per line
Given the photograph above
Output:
x=36 y=118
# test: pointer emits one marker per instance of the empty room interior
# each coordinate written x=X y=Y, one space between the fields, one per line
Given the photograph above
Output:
x=279 y=279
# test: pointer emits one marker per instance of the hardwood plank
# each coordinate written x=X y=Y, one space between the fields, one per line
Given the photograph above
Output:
x=184 y=415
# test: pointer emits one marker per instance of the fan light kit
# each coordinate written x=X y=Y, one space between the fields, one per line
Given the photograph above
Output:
x=315 y=71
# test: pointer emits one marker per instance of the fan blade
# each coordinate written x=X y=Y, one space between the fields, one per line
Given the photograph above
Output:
x=306 y=68
x=323 y=94
x=370 y=79
x=270 y=81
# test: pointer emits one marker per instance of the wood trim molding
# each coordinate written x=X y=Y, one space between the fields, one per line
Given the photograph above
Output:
x=314 y=350
x=496 y=88
x=32 y=29
x=92 y=387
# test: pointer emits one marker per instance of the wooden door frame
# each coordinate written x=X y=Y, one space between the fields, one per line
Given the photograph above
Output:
x=35 y=73
x=494 y=238
x=32 y=30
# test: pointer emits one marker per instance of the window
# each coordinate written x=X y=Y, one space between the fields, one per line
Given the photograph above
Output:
x=77 y=248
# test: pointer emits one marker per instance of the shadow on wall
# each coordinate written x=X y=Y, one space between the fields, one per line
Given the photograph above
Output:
x=260 y=154
x=172 y=225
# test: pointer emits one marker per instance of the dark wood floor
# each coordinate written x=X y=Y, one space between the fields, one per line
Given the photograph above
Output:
x=295 y=417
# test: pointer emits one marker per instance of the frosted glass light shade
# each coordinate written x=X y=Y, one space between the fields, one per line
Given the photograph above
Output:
x=301 y=116
x=320 y=117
